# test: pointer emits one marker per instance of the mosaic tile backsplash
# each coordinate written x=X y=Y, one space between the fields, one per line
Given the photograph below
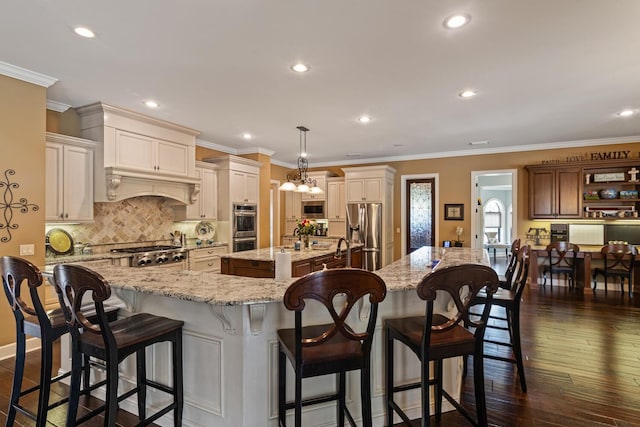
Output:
x=139 y=219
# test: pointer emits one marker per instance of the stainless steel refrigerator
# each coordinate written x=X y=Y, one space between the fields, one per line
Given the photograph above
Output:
x=364 y=225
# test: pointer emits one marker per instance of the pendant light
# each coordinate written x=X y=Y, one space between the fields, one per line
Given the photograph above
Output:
x=300 y=181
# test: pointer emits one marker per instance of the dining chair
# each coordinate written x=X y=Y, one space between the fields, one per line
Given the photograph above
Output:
x=561 y=259
x=435 y=337
x=333 y=348
x=618 y=259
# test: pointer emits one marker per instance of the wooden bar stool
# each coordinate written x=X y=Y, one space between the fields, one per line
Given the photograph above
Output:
x=434 y=337
x=618 y=261
x=334 y=348
x=562 y=260
x=112 y=342
x=37 y=322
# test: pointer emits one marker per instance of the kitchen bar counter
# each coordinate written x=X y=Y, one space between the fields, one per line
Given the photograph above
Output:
x=230 y=339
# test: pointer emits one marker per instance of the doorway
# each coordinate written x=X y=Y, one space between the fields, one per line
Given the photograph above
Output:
x=495 y=207
x=419 y=217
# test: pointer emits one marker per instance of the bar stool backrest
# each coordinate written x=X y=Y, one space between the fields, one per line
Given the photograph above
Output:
x=522 y=273
x=15 y=271
x=324 y=286
x=73 y=282
x=509 y=272
x=619 y=256
x=461 y=283
x=562 y=254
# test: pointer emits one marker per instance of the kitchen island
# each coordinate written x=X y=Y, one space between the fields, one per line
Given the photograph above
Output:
x=230 y=344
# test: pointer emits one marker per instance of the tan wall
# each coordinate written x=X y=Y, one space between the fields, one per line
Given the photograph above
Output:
x=22 y=142
x=67 y=123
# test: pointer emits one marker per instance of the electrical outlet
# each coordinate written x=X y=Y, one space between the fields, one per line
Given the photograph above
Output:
x=27 y=249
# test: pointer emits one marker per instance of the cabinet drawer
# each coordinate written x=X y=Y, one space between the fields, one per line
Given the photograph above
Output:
x=206 y=264
x=208 y=252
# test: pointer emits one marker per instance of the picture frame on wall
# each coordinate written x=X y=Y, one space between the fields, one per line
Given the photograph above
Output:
x=454 y=211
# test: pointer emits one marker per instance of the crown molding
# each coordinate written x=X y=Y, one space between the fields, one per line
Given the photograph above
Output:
x=234 y=151
x=60 y=107
x=258 y=150
x=26 y=75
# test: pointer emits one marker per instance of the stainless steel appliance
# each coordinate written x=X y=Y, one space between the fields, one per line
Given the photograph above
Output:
x=364 y=225
x=153 y=255
x=559 y=233
x=313 y=209
x=245 y=244
x=245 y=220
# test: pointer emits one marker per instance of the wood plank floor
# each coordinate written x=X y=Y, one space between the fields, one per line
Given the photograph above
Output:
x=582 y=364
x=582 y=361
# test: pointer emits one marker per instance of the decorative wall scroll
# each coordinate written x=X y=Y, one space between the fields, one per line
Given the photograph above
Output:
x=8 y=205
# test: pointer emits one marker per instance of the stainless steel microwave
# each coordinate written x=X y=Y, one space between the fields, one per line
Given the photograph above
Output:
x=313 y=210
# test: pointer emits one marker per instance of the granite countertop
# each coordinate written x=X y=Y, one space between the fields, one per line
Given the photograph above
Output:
x=221 y=289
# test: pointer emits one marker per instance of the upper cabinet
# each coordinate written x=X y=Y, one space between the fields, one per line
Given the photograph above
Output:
x=69 y=179
x=292 y=205
x=321 y=181
x=206 y=207
x=364 y=189
x=238 y=182
x=555 y=192
x=336 y=200
x=138 y=155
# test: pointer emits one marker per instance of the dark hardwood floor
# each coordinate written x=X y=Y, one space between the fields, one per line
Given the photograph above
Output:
x=582 y=361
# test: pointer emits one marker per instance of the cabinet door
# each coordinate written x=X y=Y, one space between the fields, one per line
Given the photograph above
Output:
x=135 y=151
x=208 y=194
x=320 y=182
x=172 y=158
x=373 y=189
x=336 y=201
x=355 y=190
x=54 y=210
x=541 y=193
x=252 y=188
x=78 y=184
x=569 y=193
x=292 y=205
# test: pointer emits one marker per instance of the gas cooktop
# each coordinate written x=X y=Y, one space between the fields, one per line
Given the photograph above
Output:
x=143 y=256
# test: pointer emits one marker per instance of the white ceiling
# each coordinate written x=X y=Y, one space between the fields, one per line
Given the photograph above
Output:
x=546 y=71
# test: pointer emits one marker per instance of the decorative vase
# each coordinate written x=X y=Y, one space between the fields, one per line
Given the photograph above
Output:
x=305 y=241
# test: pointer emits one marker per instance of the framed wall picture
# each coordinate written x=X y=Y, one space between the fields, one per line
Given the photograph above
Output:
x=454 y=212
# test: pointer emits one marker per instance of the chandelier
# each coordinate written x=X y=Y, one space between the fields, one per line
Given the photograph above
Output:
x=300 y=181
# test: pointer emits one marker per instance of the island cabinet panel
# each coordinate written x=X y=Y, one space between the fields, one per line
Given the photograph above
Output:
x=248 y=268
x=555 y=192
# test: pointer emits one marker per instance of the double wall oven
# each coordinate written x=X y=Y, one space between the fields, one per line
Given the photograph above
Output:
x=245 y=227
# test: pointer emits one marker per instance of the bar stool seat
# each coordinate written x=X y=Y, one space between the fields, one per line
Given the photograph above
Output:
x=37 y=322
x=112 y=342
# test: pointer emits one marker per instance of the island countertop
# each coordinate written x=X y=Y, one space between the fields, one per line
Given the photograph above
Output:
x=269 y=254
x=221 y=289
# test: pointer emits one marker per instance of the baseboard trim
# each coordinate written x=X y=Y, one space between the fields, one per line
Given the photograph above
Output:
x=9 y=350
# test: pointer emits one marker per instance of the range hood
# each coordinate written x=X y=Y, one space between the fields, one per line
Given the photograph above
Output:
x=138 y=155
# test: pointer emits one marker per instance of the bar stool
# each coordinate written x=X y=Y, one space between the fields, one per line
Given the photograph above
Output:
x=509 y=299
x=618 y=261
x=112 y=342
x=506 y=280
x=334 y=348
x=35 y=321
x=434 y=337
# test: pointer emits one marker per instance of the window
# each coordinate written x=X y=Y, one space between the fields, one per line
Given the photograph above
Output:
x=493 y=216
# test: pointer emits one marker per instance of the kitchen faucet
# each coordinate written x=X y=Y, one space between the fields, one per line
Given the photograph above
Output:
x=339 y=250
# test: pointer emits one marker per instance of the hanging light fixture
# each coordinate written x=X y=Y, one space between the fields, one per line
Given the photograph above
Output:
x=300 y=181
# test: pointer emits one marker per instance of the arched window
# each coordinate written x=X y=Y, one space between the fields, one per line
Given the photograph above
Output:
x=493 y=221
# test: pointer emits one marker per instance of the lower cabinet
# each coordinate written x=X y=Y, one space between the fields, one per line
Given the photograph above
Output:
x=206 y=259
x=248 y=268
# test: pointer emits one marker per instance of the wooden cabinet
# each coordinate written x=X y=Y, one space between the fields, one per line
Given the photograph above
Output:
x=69 y=179
x=206 y=259
x=364 y=190
x=244 y=187
x=336 y=199
x=555 y=192
x=206 y=207
x=248 y=268
x=611 y=190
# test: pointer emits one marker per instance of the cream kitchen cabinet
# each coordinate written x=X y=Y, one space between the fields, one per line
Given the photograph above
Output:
x=336 y=199
x=321 y=181
x=206 y=259
x=292 y=205
x=244 y=187
x=148 y=154
x=69 y=179
x=206 y=207
x=364 y=190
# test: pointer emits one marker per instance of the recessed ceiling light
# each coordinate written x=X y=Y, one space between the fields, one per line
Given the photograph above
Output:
x=456 y=21
x=84 y=32
x=300 y=68
x=364 y=119
x=626 y=113
x=467 y=94
x=151 y=104
x=479 y=143
x=247 y=135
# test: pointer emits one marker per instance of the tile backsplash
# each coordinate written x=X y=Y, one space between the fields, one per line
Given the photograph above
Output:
x=139 y=219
